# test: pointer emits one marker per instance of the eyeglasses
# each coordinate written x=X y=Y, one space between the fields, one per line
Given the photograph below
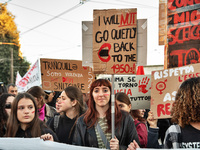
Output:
x=7 y=106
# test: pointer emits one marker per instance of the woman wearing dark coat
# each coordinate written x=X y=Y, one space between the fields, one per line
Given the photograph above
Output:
x=98 y=116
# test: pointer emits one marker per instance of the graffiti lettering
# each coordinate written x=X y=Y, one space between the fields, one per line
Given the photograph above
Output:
x=123 y=47
x=125 y=85
x=62 y=86
x=187 y=76
x=67 y=80
x=163 y=109
x=123 y=68
x=127 y=91
x=173 y=4
x=128 y=20
x=99 y=37
x=186 y=56
x=53 y=74
x=140 y=98
x=56 y=65
x=184 y=34
x=173 y=72
x=123 y=33
x=131 y=57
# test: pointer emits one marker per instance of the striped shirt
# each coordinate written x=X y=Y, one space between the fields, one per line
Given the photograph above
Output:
x=103 y=124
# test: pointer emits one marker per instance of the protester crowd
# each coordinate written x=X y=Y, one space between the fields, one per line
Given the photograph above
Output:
x=67 y=117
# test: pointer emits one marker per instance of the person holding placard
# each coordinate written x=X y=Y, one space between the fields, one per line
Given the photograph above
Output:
x=186 y=116
x=69 y=106
x=24 y=121
x=124 y=104
x=93 y=129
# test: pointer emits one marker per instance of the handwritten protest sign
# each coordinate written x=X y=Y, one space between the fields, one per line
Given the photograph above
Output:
x=137 y=87
x=183 y=32
x=87 y=30
x=57 y=74
x=30 y=79
x=164 y=86
x=115 y=41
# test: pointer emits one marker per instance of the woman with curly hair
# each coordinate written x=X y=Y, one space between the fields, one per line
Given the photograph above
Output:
x=5 y=109
x=185 y=114
x=93 y=129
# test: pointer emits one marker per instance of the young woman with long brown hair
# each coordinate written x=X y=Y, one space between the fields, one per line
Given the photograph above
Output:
x=98 y=118
x=70 y=107
x=24 y=120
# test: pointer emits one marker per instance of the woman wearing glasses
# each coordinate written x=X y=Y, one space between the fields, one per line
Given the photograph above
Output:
x=5 y=109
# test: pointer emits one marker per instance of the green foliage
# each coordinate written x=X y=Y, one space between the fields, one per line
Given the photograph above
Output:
x=9 y=39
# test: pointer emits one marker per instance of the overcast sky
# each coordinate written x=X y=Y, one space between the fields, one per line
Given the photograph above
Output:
x=53 y=29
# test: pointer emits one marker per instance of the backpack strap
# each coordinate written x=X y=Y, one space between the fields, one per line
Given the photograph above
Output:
x=56 y=121
x=103 y=137
x=137 y=124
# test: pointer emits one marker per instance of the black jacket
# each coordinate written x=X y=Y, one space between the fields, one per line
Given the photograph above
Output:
x=125 y=133
x=27 y=132
x=65 y=126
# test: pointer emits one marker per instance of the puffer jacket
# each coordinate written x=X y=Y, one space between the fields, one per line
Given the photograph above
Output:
x=125 y=133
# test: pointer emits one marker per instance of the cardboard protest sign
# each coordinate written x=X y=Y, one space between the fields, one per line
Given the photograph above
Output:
x=115 y=41
x=87 y=30
x=30 y=79
x=164 y=86
x=137 y=87
x=183 y=33
x=57 y=74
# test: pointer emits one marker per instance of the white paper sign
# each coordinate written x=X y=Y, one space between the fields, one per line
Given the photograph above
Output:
x=36 y=144
x=31 y=78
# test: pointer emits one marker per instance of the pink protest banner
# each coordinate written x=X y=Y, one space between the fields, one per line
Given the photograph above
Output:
x=164 y=86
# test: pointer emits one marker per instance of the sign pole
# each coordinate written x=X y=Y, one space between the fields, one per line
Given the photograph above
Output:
x=113 y=107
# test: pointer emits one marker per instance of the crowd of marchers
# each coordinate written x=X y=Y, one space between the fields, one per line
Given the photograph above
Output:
x=84 y=119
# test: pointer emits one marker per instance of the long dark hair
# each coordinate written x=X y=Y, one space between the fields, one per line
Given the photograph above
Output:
x=75 y=94
x=13 y=122
x=90 y=117
x=3 y=113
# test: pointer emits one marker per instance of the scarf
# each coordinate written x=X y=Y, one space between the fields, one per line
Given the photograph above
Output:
x=41 y=112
